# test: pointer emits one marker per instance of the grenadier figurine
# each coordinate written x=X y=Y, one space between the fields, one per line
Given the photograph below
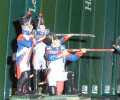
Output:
x=39 y=62
x=57 y=55
x=23 y=54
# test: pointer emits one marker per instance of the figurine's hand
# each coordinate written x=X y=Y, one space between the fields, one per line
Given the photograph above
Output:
x=64 y=53
x=81 y=52
x=31 y=36
x=84 y=50
x=70 y=35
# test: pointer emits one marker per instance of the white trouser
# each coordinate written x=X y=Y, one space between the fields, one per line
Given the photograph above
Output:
x=57 y=72
x=24 y=63
x=38 y=56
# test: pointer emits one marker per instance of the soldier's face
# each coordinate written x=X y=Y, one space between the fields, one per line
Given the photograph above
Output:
x=29 y=13
x=42 y=28
x=56 y=43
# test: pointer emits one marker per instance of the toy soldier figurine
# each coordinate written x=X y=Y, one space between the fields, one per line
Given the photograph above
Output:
x=24 y=43
x=57 y=55
x=39 y=62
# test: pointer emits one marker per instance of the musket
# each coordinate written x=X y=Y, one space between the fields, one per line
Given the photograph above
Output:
x=92 y=50
x=40 y=20
x=77 y=34
x=30 y=20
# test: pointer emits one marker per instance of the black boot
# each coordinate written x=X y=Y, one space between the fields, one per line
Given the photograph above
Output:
x=22 y=85
x=52 y=90
x=19 y=88
x=36 y=80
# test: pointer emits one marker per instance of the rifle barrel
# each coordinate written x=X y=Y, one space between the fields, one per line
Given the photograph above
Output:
x=100 y=50
x=94 y=50
x=81 y=35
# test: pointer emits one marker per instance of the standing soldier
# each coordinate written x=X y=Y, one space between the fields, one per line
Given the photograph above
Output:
x=24 y=43
x=57 y=55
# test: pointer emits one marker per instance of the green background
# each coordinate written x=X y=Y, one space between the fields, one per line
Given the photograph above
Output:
x=100 y=17
x=10 y=12
x=99 y=72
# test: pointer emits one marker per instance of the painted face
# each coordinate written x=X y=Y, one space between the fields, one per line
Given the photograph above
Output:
x=56 y=43
x=42 y=28
x=29 y=13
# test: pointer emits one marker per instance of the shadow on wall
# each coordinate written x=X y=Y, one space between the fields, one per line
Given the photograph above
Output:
x=11 y=60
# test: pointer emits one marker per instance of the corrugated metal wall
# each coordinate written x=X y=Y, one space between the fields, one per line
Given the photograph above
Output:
x=10 y=12
x=4 y=20
x=117 y=57
x=96 y=73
